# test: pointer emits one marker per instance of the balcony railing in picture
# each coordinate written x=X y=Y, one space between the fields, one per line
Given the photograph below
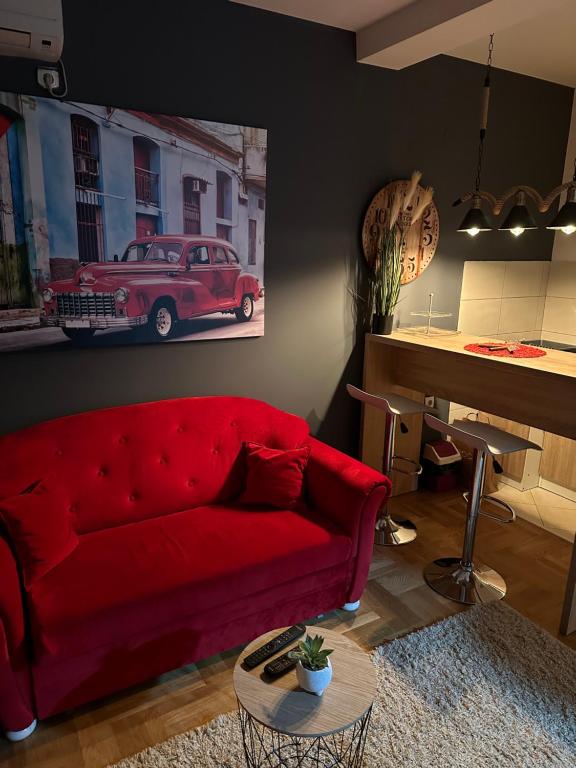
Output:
x=146 y=186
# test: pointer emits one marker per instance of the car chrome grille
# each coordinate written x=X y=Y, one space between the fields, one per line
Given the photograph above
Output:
x=86 y=304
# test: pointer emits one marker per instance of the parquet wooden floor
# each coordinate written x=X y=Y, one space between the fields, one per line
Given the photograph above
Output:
x=396 y=601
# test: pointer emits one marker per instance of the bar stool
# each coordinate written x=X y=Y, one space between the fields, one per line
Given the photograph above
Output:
x=460 y=578
x=391 y=531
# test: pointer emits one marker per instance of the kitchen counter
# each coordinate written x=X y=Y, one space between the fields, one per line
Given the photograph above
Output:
x=540 y=392
x=554 y=361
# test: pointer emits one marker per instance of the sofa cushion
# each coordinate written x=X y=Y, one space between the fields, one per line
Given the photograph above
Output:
x=39 y=527
x=274 y=477
x=122 y=581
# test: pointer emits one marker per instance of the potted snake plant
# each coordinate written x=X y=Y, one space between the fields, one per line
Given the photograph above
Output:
x=386 y=275
x=314 y=670
x=386 y=270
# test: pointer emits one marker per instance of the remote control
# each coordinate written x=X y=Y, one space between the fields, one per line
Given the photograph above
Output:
x=281 y=665
x=274 y=645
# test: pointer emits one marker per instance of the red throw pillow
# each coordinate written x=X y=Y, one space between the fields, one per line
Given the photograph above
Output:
x=39 y=526
x=275 y=478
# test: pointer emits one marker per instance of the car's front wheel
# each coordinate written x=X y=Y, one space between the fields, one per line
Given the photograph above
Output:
x=162 y=320
x=246 y=309
x=79 y=335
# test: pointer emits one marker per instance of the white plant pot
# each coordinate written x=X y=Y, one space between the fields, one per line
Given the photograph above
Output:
x=314 y=682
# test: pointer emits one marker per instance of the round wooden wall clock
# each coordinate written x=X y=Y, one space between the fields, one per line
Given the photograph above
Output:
x=421 y=238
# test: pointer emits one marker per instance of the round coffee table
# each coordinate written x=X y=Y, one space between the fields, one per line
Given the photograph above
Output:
x=286 y=727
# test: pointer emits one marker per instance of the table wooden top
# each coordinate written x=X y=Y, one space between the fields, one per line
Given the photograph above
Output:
x=555 y=361
x=284 y=707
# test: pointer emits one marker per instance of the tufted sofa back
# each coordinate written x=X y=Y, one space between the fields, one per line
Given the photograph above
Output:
x=130 y=463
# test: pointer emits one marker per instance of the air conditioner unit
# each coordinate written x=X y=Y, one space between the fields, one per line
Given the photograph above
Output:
x=31 y=28
x=197 y=185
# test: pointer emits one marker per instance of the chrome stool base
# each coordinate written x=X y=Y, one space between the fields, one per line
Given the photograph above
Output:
x=391 y=533
x=471 y=586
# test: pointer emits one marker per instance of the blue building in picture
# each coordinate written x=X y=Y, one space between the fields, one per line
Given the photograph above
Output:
x=78 y=182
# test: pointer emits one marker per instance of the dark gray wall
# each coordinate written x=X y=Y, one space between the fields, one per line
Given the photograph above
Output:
x=337 y=132
x=526 y=142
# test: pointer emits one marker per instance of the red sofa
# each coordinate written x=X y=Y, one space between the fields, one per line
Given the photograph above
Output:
x=168 y=569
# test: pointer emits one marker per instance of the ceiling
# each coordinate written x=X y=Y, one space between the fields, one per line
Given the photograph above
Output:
x=533 y=37
x=345 y=14
x=543 y=47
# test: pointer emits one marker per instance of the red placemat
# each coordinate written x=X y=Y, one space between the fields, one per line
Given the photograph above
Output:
x=522 y=350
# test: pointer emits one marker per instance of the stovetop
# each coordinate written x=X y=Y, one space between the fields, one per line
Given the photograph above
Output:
x=550 y=345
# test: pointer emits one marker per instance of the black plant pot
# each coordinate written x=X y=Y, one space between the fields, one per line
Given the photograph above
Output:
x=377 y=323
x=382 y=324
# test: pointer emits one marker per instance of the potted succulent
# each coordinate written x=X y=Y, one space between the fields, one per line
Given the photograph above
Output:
x=386 y=270
x=314 y=670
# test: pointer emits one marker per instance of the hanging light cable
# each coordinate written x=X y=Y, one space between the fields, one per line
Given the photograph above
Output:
x=475 y=221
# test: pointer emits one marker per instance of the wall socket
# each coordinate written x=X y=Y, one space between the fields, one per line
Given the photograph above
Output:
x=43 y=71
x=429 y=401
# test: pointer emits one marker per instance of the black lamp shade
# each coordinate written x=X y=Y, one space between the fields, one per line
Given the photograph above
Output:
x=519 y=218
x=565 y=218
x=474 y=221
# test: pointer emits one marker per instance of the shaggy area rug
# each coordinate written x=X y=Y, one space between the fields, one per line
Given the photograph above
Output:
x=484 y=688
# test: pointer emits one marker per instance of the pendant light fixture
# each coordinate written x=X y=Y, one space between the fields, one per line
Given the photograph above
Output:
x=565 y=219
x=519 y=218
x=475 y=221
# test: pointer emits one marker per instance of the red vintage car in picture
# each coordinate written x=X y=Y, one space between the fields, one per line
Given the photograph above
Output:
x=158 y=282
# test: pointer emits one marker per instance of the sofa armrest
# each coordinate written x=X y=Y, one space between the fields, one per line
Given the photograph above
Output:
x=349 y=493
x=16 y=710
x=343 y=488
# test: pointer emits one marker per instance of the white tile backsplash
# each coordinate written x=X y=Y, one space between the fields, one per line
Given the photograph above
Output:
x=483 y=279
x=541 y=305
x=479 y=316
x=525 y=278
x=561 y=338
x=562 y=280
x=525 y=335
x=505 y=299
x=518 y=314
x=559 y=315
x=545 y=277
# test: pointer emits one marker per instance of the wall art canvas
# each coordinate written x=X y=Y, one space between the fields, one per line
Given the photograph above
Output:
x=126 y=227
